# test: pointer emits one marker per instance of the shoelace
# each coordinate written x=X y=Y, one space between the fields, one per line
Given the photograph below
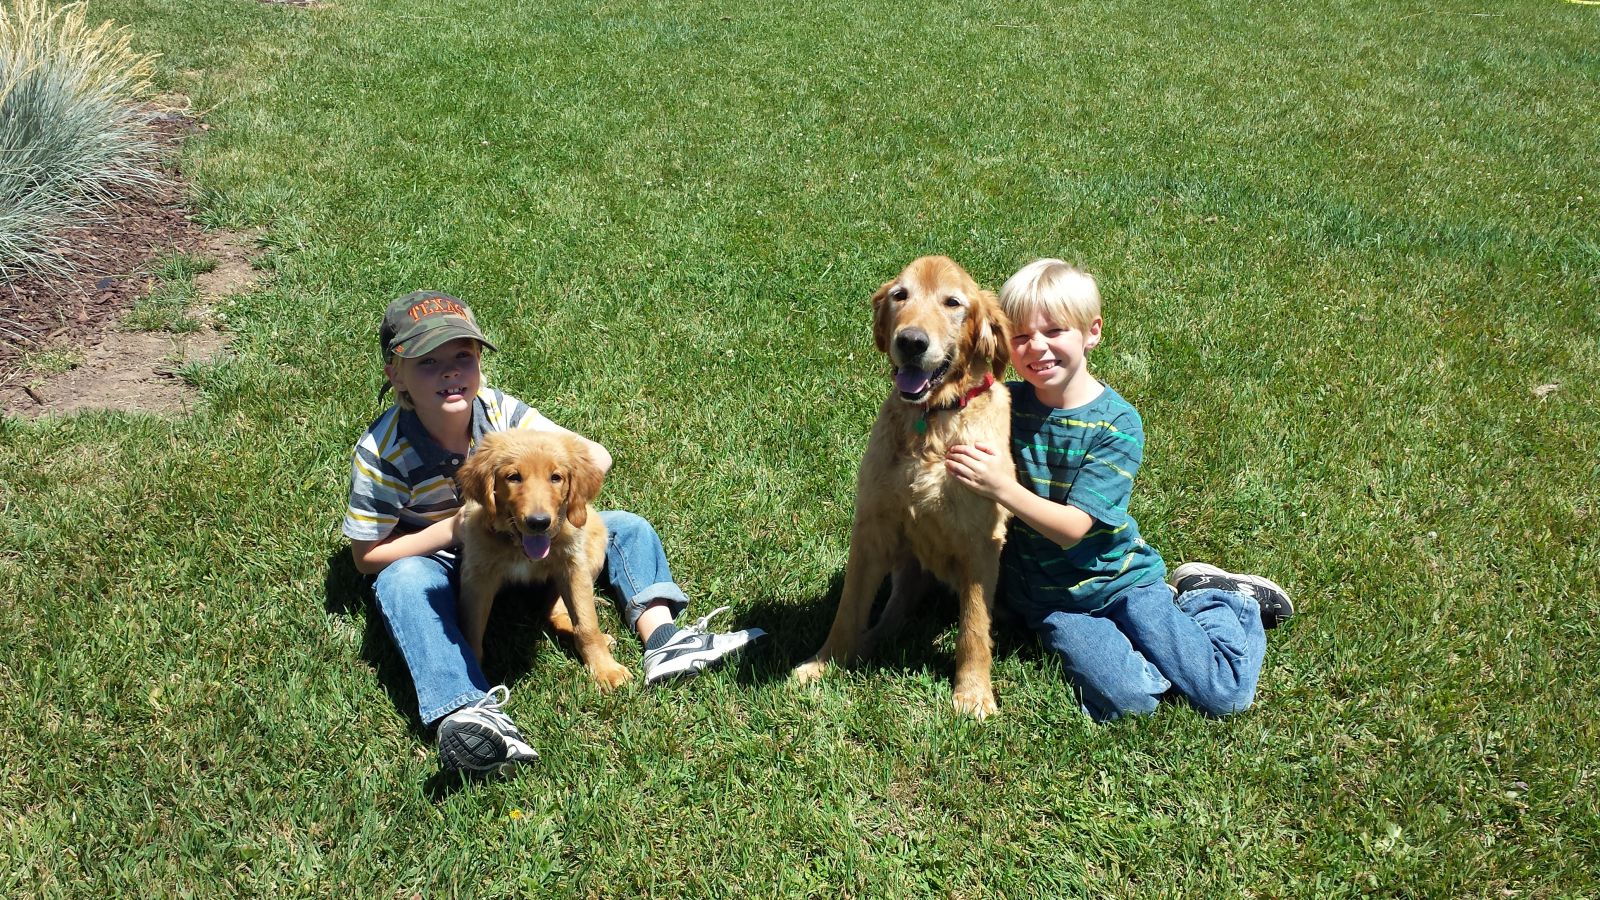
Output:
x=699 y=627
x=492 y=702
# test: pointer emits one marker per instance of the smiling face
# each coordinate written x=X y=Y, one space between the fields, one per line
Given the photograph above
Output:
x=1053 y=357
x=441 y=383
x=934 y=322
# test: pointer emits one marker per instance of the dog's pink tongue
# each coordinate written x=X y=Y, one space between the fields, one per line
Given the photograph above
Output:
x=911 y=381
x=537 y=547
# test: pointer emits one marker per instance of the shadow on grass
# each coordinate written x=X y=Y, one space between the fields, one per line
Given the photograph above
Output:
x=517 y=624
x=348 y=593
x=795 y=631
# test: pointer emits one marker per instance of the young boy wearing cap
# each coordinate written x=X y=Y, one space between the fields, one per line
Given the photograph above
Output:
x=401 y=522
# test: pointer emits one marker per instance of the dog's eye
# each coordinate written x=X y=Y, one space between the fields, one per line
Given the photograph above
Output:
x=514 y=477
x=555 y=477
x=899 y=294
x=952 y=301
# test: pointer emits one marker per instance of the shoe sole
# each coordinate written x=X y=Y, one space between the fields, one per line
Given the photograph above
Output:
x=471 y=747
x=1190 y=569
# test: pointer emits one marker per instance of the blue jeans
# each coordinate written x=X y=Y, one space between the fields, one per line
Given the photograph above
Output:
x=417 y=599
x=1209 y=646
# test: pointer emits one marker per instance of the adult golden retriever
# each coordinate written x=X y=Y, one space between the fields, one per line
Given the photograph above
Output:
x=948 y=342
x=527 y=520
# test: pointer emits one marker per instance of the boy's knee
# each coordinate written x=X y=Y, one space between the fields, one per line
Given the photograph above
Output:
x=1225 y=702
x=1134 y=691
x=408 y=579
x=404 y=569
x=1121 y=700
x=620 y=521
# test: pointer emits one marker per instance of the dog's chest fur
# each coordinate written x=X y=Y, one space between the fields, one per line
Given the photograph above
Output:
x=529 y=571
x=906 y=467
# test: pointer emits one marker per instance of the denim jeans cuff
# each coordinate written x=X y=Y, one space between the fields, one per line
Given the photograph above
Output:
x=431 y=717
x=661 y=590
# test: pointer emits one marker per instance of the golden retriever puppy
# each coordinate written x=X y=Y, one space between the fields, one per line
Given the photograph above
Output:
x=948 y=342
x=527 y=520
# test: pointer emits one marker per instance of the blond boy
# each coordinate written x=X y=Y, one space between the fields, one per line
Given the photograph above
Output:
x=1074 y=566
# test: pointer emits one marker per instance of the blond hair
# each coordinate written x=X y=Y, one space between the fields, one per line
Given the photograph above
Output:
x=401 y=398
x=1054 y=290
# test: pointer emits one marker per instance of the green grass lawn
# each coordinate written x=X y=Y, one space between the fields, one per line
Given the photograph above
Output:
x=1340 y=243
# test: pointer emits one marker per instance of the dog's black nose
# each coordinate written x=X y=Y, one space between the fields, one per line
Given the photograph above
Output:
x=537 y=523
x=912 y=342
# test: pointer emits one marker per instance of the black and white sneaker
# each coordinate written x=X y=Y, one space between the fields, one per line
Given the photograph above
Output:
x=693 y=649
x=480 y=738
x=1276 y=607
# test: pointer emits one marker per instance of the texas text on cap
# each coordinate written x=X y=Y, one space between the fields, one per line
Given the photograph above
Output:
x=421 y=321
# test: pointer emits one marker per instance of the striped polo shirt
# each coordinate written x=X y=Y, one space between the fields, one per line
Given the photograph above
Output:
x=400 y=477
x=1084 y=457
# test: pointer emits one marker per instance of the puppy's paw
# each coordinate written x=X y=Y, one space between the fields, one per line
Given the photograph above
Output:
x=976 y=701
x=610 y=675
x=809 y=671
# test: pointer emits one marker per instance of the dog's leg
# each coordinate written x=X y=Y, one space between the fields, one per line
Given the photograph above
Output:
x=974 y=692
x=478 y=589
x=555 y=613
x=594 y=646
x=908 y=585
x=560 y=621
x=862 y=575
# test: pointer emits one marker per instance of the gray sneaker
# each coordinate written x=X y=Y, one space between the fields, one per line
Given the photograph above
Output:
x=1276 y=607
x=693 y=649
x=480 y=738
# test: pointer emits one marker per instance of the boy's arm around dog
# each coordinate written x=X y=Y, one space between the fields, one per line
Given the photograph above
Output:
x=978 y=468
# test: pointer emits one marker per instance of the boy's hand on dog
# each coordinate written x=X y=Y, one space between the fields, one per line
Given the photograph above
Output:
x=979 y=468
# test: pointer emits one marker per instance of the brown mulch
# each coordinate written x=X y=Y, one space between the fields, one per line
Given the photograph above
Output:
x=110 y=261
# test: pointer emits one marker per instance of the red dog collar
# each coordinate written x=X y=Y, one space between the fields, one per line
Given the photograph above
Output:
x=922 y=423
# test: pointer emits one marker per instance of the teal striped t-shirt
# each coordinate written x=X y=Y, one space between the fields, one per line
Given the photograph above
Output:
x=1084 y=457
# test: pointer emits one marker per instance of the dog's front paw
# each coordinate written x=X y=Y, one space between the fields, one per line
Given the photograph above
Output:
x=976 y=701
x=809 y=671
x=610 y=675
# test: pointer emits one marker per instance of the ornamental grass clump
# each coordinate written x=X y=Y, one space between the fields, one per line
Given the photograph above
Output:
x=70 y=137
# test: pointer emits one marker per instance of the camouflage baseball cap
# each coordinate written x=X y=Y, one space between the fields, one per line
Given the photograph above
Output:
x=419 y=322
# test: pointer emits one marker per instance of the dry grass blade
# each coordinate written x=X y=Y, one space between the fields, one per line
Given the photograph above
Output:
x=70 y=140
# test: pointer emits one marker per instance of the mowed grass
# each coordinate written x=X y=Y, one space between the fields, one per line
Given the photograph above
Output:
x=1341 y=246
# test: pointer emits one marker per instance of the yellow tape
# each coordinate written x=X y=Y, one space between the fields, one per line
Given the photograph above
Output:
x=1585 y=2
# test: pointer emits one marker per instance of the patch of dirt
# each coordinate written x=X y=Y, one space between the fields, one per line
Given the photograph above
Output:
x=78 y=314
x=131 y=371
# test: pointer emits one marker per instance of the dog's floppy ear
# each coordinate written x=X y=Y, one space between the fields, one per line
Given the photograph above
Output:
x=583 y=481
x=880 y=317
x=475 y=478
x=994 y=333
